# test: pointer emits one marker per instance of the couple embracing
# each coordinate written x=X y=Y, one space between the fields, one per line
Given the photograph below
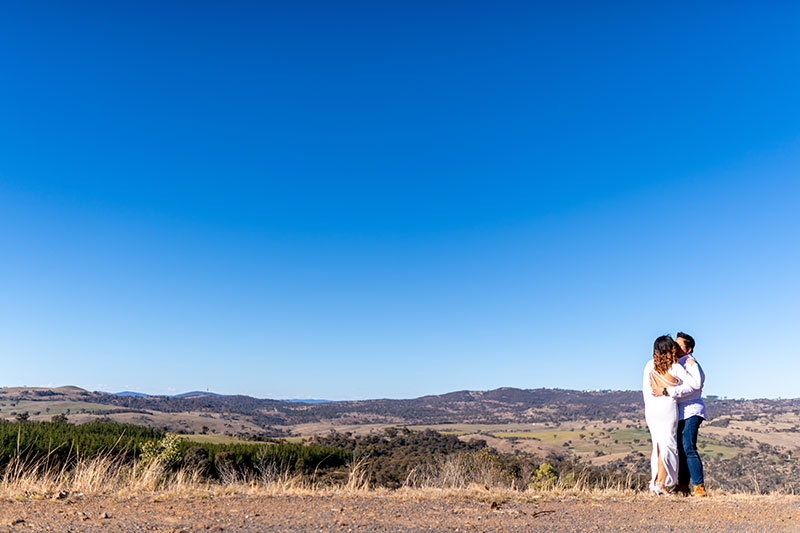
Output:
x=674 y=408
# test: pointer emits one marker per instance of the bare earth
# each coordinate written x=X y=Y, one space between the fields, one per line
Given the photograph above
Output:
x=382 y=512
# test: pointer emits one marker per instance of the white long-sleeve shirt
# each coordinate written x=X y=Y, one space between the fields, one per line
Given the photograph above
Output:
x=690 y=399
x=689 y=380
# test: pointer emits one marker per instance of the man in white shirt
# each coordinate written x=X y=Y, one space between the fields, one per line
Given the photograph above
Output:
x=691 y=413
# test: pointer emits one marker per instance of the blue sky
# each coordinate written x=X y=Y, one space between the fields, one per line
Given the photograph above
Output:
x=392 y=199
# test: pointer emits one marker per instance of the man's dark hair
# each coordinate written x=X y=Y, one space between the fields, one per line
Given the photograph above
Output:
x=688 y=340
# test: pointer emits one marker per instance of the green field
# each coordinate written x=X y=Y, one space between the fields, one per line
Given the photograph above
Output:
x=613 y=441
x=707 y=446
x=581 y=441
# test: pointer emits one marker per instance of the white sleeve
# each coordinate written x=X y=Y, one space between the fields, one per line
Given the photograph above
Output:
x=701 y=375
x=691 y=380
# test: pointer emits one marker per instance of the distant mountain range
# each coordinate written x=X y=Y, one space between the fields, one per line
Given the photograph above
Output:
x=206 y=393
x=247 y=415
x=182 y=395
x=485 y=407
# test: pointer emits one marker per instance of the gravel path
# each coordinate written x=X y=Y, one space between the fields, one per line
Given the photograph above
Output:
x=396 y=513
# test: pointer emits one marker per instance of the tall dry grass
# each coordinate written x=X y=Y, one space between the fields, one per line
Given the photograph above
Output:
x=452 y=476
x=465 y=471
x=101 y=474
x=106 y=474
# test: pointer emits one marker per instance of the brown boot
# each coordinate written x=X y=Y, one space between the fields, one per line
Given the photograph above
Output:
x=700 y=490
x=683 y=490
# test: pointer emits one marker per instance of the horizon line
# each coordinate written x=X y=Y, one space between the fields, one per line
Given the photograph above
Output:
x=299 y=398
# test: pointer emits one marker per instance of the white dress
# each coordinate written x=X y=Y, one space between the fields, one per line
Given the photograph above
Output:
x=661 y=414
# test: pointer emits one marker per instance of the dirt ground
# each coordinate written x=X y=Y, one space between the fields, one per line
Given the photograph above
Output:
x=382 y=512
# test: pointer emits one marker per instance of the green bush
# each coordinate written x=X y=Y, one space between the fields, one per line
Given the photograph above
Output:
x=545 y=477
x=165 y=450
x=195 y=459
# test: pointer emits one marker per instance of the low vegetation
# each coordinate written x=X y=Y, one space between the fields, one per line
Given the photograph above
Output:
x=52 y=458
x=59 y=453
x=48 y=457
x=509 y=438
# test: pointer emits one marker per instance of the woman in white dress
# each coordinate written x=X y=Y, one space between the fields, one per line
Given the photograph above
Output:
x=661 y=412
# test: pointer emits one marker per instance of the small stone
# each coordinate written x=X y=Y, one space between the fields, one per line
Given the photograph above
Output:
x=105 y=515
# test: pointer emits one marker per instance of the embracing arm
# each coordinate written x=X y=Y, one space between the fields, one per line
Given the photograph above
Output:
x=691 y=377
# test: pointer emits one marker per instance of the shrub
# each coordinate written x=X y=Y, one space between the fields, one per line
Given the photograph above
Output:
x=195 y=459
x=227 y=472
x=545 y=477
x=165 y=451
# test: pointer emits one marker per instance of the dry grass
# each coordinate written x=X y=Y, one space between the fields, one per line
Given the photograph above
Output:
x=455 y=477
x=481 y=475
x=109 y=476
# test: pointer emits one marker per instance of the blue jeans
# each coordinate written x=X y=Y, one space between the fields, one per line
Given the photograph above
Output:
x=689 y=465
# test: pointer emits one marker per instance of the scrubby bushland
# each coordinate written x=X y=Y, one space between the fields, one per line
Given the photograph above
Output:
x=767 y=469
x=398 y=457
x=389 y=458
x=401 y=457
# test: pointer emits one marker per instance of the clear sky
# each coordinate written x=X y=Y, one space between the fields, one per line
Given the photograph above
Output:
x=391 y=199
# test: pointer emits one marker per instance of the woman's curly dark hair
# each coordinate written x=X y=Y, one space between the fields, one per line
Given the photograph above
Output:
x=665 y=354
